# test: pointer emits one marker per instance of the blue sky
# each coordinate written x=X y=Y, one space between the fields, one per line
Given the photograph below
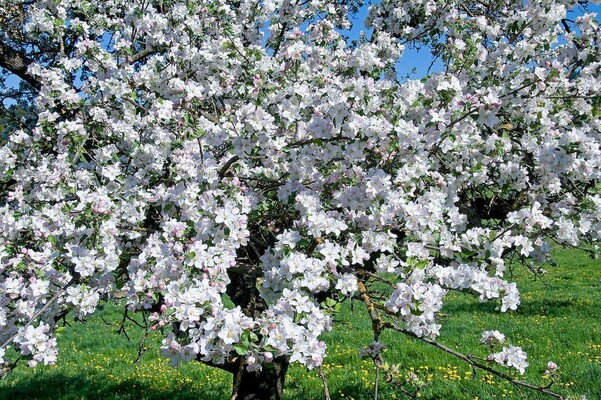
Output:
x=416 y=63
x=413 y=62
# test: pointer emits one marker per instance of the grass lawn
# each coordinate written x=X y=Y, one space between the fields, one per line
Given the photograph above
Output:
x=559 y=319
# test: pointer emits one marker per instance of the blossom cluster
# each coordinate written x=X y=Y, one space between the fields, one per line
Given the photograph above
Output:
x=510 y=356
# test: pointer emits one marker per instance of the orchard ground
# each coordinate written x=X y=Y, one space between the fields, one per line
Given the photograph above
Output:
x=559 y=320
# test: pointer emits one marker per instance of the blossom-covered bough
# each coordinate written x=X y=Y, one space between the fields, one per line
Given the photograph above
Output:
x=236 y=168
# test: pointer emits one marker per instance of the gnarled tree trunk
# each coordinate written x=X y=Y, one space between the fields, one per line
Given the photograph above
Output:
x=267 y=384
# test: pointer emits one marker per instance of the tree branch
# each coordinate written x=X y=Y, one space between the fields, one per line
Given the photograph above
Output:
x=227 y=165
x=143 y=54
x=39 y=312
x=17 y=63
x=378 y=325
x=324 y=381
x=475 y=364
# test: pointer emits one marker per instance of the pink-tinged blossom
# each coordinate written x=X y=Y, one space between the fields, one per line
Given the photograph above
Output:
x=511 y=356
x=492 y=337
x=551 y=368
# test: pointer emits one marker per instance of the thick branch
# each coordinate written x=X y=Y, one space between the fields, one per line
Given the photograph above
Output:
x=227 y=165
x=143 y=54
x=17 y=63
x=376 y=321
x=565 y=25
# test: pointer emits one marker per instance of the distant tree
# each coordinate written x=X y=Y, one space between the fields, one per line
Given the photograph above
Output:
x=237 y=170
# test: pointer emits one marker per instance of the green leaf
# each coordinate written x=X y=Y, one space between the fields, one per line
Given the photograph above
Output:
x=330 y=302
x=245 y=338
x=303 y=242
x=241 y=349
x=270 y=348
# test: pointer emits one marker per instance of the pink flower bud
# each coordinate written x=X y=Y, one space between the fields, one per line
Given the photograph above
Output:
x=551 y=367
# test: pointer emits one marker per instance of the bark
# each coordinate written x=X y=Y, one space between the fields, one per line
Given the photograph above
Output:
x=267 y=384
x=243 y=292
x=17 y=63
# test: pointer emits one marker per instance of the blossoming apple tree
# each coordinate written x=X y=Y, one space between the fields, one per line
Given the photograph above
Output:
x=235 y=168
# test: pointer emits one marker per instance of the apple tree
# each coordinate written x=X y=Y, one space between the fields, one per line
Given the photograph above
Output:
x=235 y=168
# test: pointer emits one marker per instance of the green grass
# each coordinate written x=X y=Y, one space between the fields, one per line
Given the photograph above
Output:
x=558 y=320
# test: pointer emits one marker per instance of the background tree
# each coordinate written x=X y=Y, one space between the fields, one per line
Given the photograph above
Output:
x=236 y=170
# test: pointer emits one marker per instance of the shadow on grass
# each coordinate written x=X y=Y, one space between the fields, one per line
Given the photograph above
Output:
x=546 y=307
x=354 y=390
x=68 y=387
x=429 y=392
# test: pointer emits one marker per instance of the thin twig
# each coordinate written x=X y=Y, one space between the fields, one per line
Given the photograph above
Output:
x=376 y=383
x=322 y=375
x=470 y=360
x=142 y=341
x=40 y=312
x=378 y=325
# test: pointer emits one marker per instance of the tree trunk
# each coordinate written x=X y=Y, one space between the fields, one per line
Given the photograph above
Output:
x=266 y=384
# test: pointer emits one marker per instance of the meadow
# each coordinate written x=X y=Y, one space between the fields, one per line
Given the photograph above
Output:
x=559 y=319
